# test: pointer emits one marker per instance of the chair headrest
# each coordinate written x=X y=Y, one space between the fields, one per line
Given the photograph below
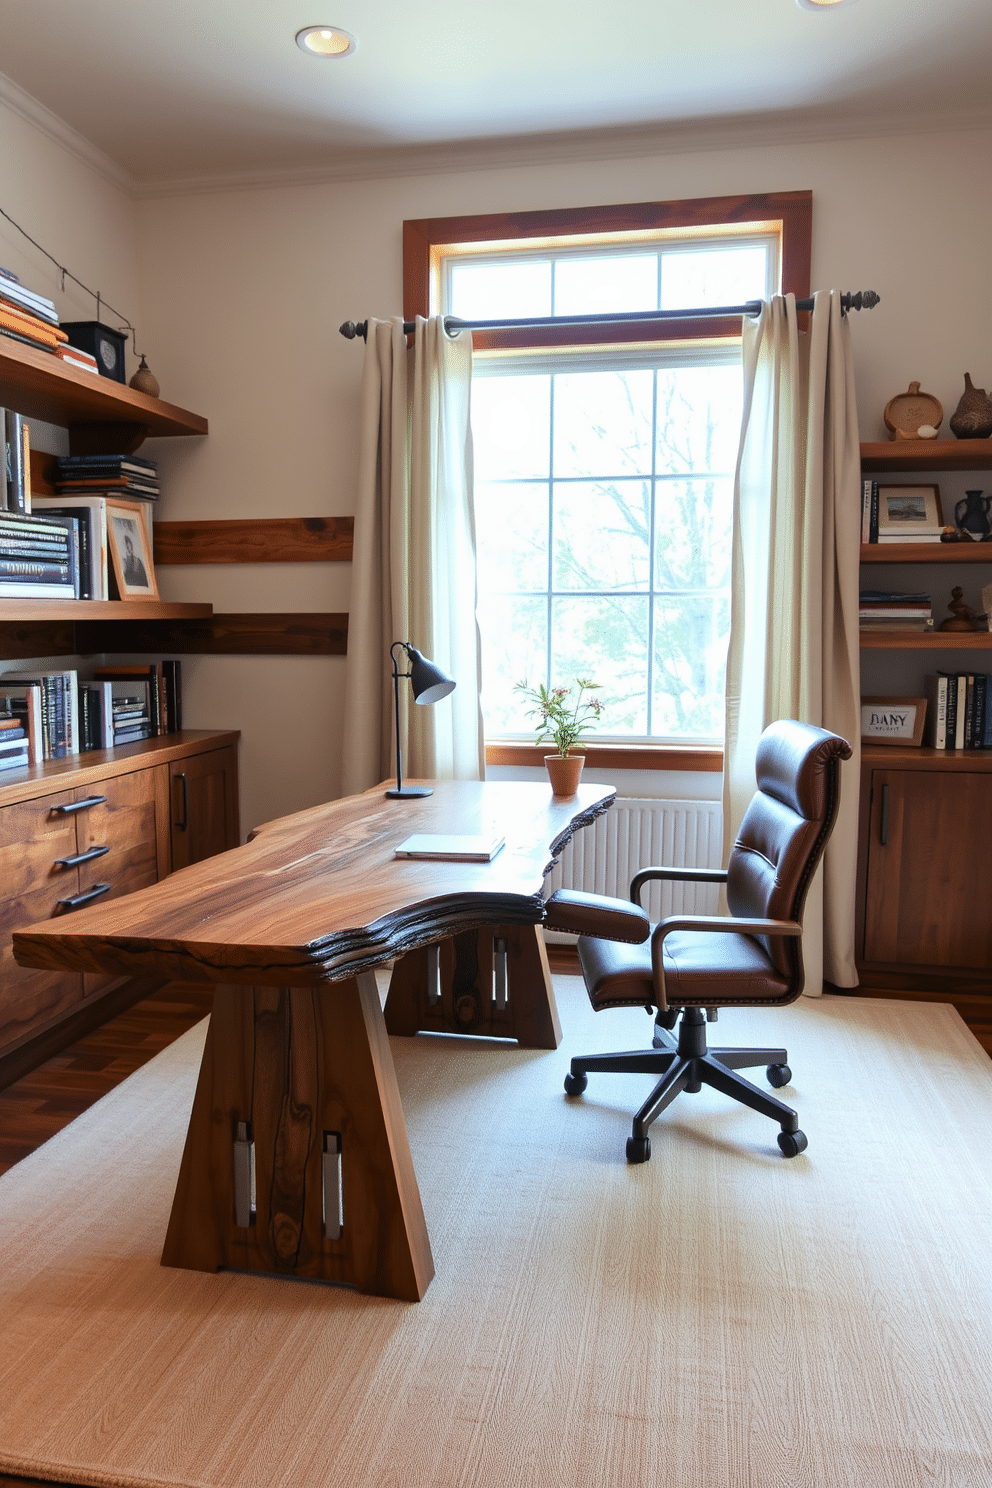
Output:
x=795 y=763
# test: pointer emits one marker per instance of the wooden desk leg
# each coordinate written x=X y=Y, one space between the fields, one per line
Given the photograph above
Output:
x=466 y=985
x=299 y=1072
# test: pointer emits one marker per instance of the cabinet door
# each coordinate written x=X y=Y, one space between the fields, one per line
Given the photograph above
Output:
x=926 y=901
x=36 y=839
x=204 y=799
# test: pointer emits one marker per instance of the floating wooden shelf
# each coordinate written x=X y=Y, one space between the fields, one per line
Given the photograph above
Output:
x=100 y=609
x=944 y=640
x=928 y=454
x=94 y=409
x=960 y=552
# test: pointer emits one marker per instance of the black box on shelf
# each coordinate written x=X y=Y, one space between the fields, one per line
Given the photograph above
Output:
x=101 y=341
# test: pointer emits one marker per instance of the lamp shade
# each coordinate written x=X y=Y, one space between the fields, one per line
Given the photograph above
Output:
x=428 y=682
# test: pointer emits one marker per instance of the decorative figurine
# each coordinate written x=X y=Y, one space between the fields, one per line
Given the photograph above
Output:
x=964 y=617
x=145 y=381
x=971 y=515
x=972 y=419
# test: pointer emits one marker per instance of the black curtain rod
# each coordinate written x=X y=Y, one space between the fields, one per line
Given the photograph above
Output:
x=865 y=299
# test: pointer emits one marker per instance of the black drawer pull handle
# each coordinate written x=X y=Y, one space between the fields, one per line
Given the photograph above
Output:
x=73 y=806
x=78 y=900
x=77 y=858
x=182 y=825
x=884 y=826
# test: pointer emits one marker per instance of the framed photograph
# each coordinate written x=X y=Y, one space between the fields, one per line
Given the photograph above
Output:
x=905 y=509
x=130 y=550
x=893 y=720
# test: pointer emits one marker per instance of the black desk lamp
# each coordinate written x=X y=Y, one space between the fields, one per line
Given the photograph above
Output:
x=429 y=685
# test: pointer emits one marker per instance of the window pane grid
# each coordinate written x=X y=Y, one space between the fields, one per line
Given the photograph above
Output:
x=603 y=494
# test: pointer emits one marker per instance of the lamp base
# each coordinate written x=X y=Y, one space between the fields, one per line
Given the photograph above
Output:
x=407 y=791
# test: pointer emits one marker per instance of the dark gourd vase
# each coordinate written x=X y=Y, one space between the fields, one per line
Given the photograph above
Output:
x=972 y=419
x=971 y=515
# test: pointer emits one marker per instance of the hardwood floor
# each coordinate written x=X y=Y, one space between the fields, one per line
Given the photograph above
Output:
x=42 y=1102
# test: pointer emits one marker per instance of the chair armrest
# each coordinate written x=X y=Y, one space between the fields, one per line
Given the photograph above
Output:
x=596 y=915
x=679 y=875
x=723 y=924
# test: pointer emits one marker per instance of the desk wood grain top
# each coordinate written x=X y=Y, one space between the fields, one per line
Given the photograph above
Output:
x=319 y=895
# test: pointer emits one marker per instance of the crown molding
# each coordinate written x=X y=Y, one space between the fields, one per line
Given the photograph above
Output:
x=57 y=130
x=561 y=148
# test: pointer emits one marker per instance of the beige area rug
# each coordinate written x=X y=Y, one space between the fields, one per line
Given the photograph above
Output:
x=717 y=1318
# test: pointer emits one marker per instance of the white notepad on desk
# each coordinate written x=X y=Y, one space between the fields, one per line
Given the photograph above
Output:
x=451 y=847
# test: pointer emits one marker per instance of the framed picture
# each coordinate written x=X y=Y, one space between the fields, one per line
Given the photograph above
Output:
x=130 y=550
x=905 y=509
x=893 y=720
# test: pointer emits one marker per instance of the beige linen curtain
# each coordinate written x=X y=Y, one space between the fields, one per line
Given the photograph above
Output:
x=413 y=566
x=794 y=645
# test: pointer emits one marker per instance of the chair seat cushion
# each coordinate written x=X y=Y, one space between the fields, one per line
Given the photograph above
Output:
x=702 y=969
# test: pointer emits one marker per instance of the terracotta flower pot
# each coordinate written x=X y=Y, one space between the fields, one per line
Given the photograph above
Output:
x=564 y=772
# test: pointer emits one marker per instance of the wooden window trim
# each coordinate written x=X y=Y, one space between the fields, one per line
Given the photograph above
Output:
x=423 y=236
x=648 y=756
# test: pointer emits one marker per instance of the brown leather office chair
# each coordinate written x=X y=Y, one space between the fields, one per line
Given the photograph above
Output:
x=688 y=963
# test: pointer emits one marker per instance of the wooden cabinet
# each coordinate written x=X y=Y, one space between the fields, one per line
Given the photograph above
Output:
x=96 y=825
x=93 y=828
x=925 y=832
x=923 y=924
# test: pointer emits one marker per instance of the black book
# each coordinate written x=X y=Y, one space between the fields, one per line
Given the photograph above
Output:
x=14 y=446
x=172 y=678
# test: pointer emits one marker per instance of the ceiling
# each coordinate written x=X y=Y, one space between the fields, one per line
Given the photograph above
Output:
x=213 y=88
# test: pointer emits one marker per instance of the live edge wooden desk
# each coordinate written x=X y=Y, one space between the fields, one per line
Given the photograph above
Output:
x=297 y=1161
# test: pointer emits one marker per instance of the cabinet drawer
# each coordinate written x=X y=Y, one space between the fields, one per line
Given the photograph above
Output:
x=131 y=824
x=33 y=837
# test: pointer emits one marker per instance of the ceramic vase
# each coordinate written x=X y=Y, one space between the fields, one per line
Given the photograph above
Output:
x=972 y=419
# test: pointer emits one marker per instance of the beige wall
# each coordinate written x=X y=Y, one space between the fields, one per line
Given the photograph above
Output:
x=241 y=294
x=244 y=292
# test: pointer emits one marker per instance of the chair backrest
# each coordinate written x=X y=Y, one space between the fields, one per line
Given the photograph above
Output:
x=785 y=829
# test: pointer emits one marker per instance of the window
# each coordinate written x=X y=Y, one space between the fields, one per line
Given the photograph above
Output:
x=605 y=456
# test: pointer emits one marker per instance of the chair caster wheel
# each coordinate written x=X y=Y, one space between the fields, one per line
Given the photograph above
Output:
x=575 y=1084
x=638 y=1149
x=792 y=1143
x=778 y=1075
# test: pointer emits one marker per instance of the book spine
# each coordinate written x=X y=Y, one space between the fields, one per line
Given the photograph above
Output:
x=940 y=715
x=865 y=510
x=174 y=694
x=873 y=514
x=962 y=689
x=969 y=707
x=952 y=710
x=14 y=439
x=44 y=572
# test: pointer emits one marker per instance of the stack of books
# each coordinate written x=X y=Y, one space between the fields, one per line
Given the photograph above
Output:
x=123 y=476
x=47 y=707
x=880 y=610
x=14 y=743
x=28 y=317
x=73 y=356
x=959 y=710
x=48 y=715
x=38 y=557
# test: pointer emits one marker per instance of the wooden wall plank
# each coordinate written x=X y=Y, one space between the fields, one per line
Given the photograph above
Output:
x=256 y=540
x=272 y=634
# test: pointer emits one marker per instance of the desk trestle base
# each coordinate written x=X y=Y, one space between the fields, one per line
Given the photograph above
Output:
x=494 y=983
x=297 y=1161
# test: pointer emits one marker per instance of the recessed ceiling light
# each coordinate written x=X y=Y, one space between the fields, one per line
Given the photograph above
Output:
x=329 y=41
x=822 y=4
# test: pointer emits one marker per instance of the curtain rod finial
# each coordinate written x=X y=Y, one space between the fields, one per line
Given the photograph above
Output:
x=865 y=299
x=351 y=329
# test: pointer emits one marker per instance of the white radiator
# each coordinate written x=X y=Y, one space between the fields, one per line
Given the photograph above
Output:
x=603 y=857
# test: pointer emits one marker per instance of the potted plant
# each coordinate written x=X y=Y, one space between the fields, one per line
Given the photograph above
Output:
x=563 y=721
